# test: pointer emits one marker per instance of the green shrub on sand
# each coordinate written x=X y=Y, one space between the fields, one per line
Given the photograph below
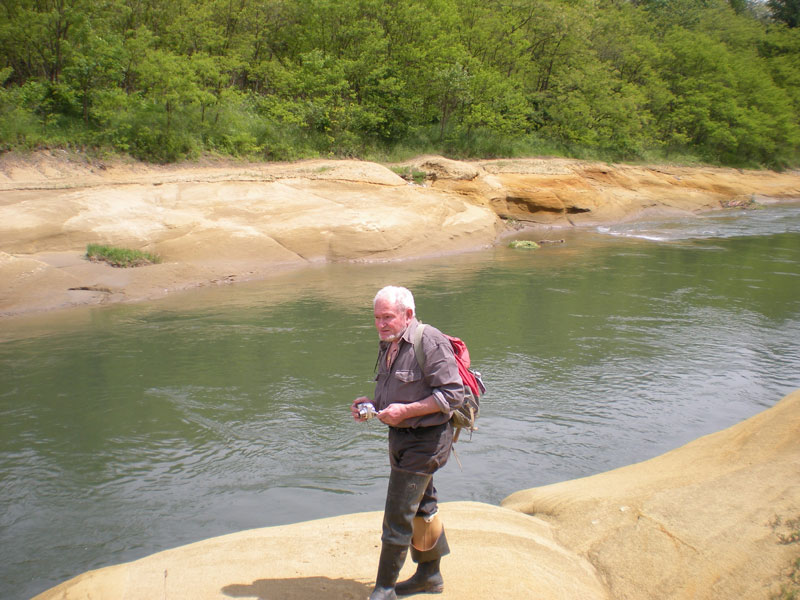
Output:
x=120 y=257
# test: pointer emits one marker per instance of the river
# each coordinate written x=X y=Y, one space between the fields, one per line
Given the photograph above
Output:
x=131 y=429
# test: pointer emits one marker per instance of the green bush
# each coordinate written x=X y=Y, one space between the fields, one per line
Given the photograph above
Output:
x=120 y=257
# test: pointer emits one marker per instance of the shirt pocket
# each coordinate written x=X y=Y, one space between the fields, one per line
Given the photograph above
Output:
x=408 y=376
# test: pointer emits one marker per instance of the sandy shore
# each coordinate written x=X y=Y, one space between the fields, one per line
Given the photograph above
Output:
x=703 y=521
x=222 y=223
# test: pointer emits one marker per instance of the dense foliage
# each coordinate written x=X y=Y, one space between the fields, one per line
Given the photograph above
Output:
x=710 y=80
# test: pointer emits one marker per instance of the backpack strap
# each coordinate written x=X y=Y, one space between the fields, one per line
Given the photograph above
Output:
x=420 y=354
x=417 y=339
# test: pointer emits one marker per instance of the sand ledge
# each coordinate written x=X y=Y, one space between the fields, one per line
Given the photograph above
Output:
x=220 y=223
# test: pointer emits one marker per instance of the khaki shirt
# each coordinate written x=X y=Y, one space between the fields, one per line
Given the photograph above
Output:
x=406 y=382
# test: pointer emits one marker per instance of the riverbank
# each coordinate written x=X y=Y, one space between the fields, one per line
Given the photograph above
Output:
x=709 y=520
x=219 y=223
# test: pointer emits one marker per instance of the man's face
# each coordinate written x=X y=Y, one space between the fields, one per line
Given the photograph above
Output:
x=390 y=320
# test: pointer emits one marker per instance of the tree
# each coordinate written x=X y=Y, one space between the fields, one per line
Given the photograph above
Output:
x=449 y=89
x=95 y=65
x=168 y=79
x=785 y=11
x=36 y=36
x=724 y=102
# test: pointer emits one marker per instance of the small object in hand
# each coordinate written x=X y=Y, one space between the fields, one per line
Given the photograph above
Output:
x=366 y=410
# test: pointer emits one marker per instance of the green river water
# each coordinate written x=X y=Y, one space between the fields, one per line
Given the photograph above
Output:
x=130 y=429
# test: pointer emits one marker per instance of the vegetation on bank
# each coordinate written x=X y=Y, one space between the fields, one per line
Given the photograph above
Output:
x=162 y=80
x=120 y=257
x=411 y=175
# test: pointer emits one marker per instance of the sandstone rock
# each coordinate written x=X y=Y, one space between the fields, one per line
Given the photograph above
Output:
x=694 y=523
x=230 y=221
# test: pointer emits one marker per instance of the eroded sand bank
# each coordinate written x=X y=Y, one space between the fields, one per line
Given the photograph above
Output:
x=222 y=223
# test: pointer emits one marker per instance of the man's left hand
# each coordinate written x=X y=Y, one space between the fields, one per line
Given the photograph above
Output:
x=394 y=414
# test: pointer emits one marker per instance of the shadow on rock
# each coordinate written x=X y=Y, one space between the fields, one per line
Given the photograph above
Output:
x=300 y=588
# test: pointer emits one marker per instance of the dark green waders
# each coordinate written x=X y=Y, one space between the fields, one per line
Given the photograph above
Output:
x=402 y=501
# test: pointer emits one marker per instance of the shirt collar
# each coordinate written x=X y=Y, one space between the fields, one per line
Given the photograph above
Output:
x=409 y=331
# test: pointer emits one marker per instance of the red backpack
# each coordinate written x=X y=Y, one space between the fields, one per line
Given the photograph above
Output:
x=464 y=416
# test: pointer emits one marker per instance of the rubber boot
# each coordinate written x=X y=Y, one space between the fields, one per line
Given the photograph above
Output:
x=403 y=496
x=427 y=580
x=391 y=561
x=402 y=500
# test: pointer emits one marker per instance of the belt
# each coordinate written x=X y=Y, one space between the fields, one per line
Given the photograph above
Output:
x=421 y=429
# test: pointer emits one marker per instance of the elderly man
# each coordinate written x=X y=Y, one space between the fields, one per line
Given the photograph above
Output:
x=416 y=402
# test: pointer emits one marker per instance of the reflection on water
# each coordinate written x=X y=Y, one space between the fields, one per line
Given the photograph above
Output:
x=132 y=429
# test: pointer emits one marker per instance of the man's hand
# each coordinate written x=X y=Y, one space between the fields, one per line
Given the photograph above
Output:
x=394 y=414
x=354 y=407
x=397 y=412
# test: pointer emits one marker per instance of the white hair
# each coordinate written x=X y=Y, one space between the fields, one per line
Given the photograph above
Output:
x=400 y=297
